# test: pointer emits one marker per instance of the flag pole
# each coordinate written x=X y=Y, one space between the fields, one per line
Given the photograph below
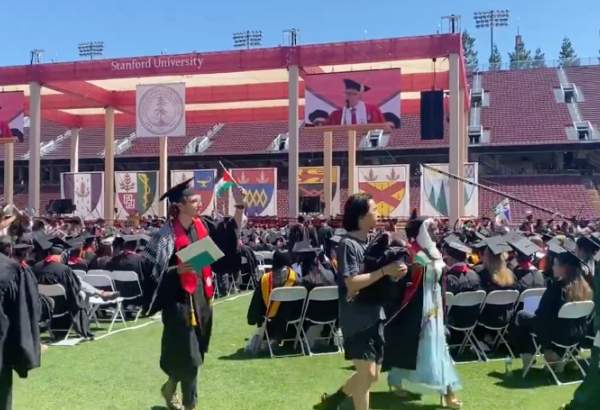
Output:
x=496 y=191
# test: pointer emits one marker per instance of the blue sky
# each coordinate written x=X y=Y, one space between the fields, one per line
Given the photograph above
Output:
x=135 y=27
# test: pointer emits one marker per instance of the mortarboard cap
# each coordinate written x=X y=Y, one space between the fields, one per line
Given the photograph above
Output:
x=318 y=114
x=22 y=246
x=497 y=245
x=456 y=249
x=521 y=244
x=353 y=85
x=393 y=118
x=178 y=192
x=59 y=243
x=76 y=242
x=590 y=241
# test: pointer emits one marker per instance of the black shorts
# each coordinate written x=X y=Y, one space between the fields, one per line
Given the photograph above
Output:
x=366 y=345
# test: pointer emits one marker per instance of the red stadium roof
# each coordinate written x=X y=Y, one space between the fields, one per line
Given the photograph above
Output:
x=228 y=86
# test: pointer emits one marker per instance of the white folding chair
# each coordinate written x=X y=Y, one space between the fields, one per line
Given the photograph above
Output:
x=127 y=282
x=104 y=282
x=507 y=299
x=530 y=298
x=98 y=272
x=57 y=293
x=287 y=295
x=568 y=311
x=80 y=273
x=265 y=261
x=318 y=296
x=468 y=300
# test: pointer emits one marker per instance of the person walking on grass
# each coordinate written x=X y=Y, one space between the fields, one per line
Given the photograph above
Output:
x=361 y=323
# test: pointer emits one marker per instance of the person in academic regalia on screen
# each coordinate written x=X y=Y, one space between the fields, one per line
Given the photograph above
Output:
x=183 y=295
x=19 y=331
x=355 y=111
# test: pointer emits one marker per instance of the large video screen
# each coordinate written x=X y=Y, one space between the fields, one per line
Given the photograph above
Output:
x=355 y=97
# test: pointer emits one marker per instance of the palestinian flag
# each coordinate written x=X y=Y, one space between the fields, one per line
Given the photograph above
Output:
x=225 y=184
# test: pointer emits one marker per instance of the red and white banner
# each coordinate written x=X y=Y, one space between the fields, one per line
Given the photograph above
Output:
x=204 y=185
x=389 y=186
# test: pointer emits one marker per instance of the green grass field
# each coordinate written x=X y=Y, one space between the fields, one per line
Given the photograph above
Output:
x=121 y=372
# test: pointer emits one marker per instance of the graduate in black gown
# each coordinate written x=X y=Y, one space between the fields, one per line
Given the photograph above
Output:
x=51 y=270
x=527 y=274
x=19 y=332
x=182 y=295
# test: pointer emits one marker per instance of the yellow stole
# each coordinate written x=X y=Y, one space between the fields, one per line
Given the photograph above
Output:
x=266 y=286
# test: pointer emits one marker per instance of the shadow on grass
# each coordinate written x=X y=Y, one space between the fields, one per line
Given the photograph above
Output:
x=388 y=400
x=241 y=354
x=158 y=408
x=537 y=377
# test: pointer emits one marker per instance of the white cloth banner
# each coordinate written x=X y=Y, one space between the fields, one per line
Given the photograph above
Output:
x=160 y=110
x=435 y=191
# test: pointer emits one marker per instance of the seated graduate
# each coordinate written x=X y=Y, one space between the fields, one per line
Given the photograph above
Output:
x=313 y=267
x=495 y=274
x=51 y=270
x=19 y=329
x=568 y=285
x=528 y=276
x=103 y=254
x=282 y=275
x=88 y=252
x=459 y=276
x=75 y=261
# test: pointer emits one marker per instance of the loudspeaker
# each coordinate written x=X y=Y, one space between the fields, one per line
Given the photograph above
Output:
x=61 y=206
x=432 y=115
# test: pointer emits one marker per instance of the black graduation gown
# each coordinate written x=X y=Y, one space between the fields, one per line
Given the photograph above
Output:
x=458 y=281
x=529 y=278
x=325 y=233
x=58 y=273
x=99 y=262
x=19 y=317
x=183 y=346
x=130 y=261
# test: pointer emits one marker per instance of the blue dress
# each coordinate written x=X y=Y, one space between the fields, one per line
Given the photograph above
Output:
x=435 y=371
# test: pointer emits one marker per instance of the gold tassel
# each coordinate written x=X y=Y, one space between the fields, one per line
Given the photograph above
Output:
x=193 y=321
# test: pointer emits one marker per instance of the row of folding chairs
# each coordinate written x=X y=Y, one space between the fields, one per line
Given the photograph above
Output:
x=507 y=299
x=126 y=282
x=302 y=321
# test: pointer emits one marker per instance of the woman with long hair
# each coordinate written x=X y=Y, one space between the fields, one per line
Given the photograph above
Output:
x=361 y=322
x=568 y=285
x=427 y=366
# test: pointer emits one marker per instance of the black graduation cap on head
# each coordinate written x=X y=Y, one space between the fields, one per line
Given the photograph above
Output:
x=179 y=192
x=590 y=241
x=317 y=114
x=59 y=243
x=456 y=249
x=522 y=245
x=568 y=257
x=393 y=118
x=555 y=245
x=353 y=85
x=497 y=245
x=76 y=242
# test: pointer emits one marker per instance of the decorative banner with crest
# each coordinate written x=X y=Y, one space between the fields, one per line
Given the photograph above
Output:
x=311 y=183
x=204 y=185
x=389 y=187
x=137 y=193
x=261 y=190
x=435 y=195
x=86 y=190
x=160 y=110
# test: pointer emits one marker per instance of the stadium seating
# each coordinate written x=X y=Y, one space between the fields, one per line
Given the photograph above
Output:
x=523 y=109
x=245 y=137
x=588 y=80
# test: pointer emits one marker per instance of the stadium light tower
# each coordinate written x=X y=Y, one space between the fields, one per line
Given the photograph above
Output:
x=491 y=19
x=91 y=49
x=290 y=37
x=247 y=39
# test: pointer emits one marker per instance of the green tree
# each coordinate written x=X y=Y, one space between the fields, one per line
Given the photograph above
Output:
x=539 y=59
x=567 y=55
x=469 y=51
x=495 y=59
x=521 y=57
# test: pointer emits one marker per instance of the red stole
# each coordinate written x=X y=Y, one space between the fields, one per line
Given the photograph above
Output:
x=416 y=276
x=189 y=280
x=52 y=259
x=74 y=260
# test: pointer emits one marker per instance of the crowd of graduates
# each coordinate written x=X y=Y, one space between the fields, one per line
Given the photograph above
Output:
x=477 y=255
